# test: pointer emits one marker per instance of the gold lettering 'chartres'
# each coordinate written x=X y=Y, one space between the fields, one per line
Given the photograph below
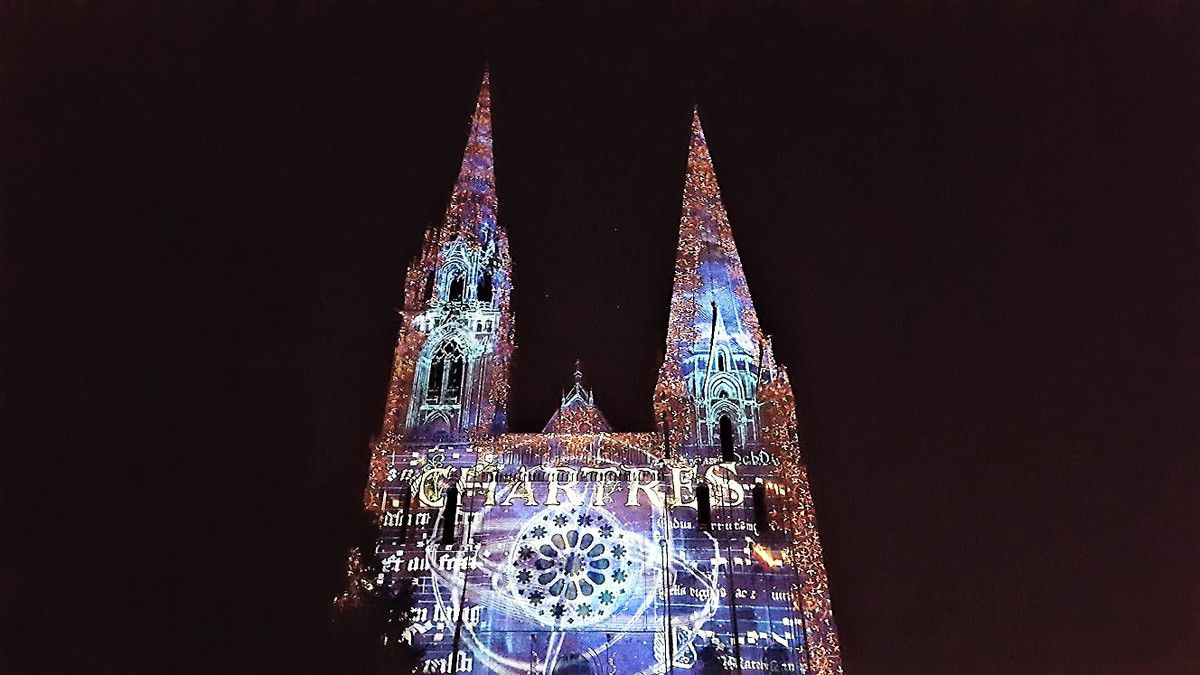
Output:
x=650 y=487
x=431 y=488
x=724 y=478
x=523 y=488
x=682 y=476
x=602 y=477
x=483 y=478
x=556 y=484
x=572 y=485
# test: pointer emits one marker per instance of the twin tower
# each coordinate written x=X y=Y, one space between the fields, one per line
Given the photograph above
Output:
x=451 y=374
x=581 y=549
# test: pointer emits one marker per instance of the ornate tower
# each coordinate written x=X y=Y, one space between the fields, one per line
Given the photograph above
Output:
x=450 y=377
x=450 y=373
x=707 y=386
x=721 y=396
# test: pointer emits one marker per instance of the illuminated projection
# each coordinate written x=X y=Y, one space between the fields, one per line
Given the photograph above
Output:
x=692 y=548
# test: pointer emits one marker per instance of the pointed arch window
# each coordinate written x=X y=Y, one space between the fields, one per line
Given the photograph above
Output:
x=722 y=361
x=456 y=288
x=725 y=431
x=434 y=386
x=485 y=288
x=430 y=282
x=444 y=384
x=454 y=379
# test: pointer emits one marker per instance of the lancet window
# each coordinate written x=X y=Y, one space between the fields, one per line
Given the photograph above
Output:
x=430 y=283
x=726 y=435
x=456 y=288
x=485 y=288
x=444 y=384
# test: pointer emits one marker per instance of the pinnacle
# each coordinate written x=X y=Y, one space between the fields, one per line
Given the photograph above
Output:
x=710 y=284
x=473 y=207
x=578 y=412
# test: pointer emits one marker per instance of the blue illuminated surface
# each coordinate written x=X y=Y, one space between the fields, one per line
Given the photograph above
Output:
x=580 y=584
x=579 y=550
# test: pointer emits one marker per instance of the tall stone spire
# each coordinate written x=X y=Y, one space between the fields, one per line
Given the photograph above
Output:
x=713 y=336
x=450 y=377
x=707 y=266
x=722 y=397
x=580 y=492
x=472 y=209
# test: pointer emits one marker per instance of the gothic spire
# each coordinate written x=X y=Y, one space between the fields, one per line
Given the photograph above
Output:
x=708 y=270
x=713 y=336
x=471 y=213
x=464 y=265
x=577 y=414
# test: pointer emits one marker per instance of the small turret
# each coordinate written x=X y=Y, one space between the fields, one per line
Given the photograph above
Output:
x=577 y=414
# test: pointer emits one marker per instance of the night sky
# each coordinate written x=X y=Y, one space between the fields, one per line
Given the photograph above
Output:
x=972 y=232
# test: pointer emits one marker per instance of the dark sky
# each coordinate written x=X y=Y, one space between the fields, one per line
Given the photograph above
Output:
x=972 y=231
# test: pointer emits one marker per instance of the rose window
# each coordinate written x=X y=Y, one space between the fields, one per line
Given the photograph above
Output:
x=571 y=567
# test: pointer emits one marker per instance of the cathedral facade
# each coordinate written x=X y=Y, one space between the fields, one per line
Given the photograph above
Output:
x=582 y=549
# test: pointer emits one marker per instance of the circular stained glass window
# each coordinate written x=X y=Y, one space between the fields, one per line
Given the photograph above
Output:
x=572 y=566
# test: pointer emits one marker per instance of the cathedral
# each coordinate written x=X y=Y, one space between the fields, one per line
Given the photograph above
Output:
x=582 y=549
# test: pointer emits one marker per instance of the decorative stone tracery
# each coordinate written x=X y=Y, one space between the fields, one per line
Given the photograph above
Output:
x=575 y=565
